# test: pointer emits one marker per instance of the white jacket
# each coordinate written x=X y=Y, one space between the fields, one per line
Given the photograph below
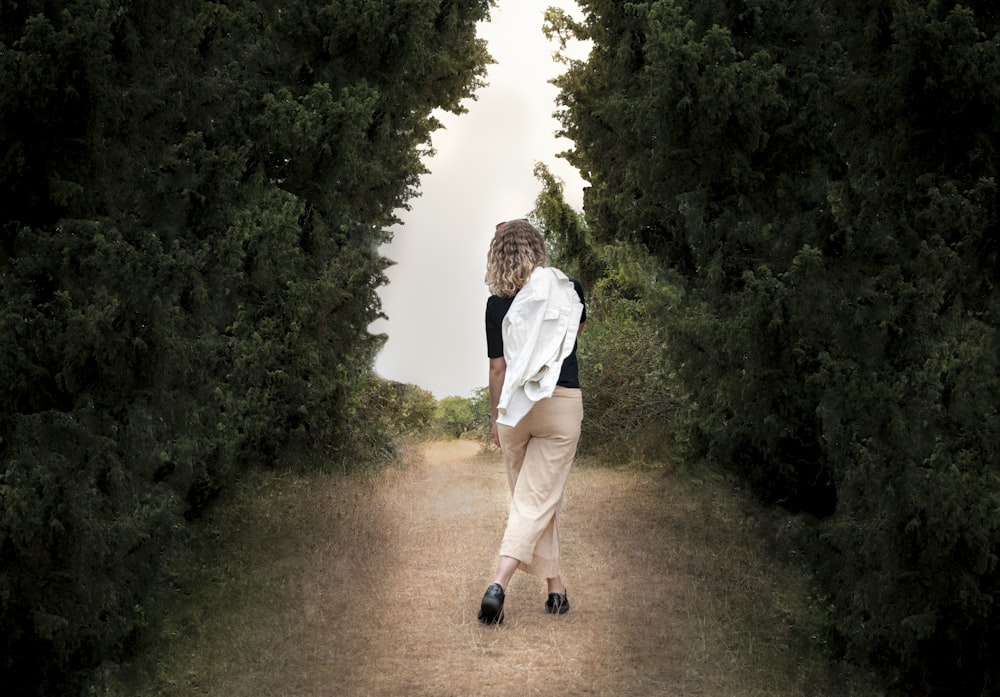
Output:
x=539 y=332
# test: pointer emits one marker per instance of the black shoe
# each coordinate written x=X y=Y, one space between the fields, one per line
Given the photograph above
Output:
x=557 y=603
x=491 y=611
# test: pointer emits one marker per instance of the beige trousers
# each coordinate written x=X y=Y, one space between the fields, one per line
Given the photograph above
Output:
x=538 y=453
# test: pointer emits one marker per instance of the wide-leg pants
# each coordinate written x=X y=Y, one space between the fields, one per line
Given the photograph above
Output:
x=538 y=453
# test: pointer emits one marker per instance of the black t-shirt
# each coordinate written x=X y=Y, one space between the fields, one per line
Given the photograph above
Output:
x=496 y=310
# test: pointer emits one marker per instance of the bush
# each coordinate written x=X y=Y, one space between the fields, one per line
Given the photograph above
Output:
x=628 y=401
x=628 y=396
x=455 y=417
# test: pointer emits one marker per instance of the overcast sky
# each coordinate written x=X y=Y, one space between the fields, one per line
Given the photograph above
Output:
x=481 y=175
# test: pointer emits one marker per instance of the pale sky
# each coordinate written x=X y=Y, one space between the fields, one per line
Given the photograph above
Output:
x=481 y=175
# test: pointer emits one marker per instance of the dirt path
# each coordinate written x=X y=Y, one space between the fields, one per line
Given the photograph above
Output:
x=405 y=612
x=377 y=583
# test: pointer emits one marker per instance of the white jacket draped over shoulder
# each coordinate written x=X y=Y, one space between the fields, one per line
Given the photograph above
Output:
x=539 y=332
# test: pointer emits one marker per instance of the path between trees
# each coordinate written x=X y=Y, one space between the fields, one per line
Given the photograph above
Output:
x=443 y=520
x=383 y=590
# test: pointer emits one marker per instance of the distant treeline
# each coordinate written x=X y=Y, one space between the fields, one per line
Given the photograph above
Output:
x=192 y=197
x=793 y=213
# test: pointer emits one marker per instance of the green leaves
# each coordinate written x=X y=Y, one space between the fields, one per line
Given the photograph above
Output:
x=193 y=196
x=819 y=186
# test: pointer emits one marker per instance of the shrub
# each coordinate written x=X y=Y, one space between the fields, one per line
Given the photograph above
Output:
x=628 y=400
x=457 y=416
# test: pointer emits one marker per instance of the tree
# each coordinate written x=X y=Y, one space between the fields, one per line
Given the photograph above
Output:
x=817 y=181
x=192 y=199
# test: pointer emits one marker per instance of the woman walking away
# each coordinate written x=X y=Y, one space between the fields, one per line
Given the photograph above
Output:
x=532 y=320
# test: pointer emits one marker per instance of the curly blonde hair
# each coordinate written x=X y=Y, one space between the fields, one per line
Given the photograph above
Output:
x=517 y=249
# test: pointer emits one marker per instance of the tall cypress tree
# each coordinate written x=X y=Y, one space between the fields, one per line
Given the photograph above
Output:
x=191 y=199
x=818 y=182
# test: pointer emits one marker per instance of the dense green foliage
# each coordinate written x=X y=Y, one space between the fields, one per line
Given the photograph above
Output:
x=460 y=417
x=628 y=393
x=387 y=415
x=456 y=415
x=814 y=186
x=192 y=195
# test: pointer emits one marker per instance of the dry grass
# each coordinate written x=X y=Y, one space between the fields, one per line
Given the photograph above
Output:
x=334 y=585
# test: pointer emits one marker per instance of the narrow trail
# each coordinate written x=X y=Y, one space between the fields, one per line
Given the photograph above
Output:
x=405 y=612
x=376 y=584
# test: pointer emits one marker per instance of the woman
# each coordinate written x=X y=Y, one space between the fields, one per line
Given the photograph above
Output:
x=532 y=320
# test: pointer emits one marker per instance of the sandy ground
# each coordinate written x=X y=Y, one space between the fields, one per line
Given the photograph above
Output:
x=401 y=590
x=379 y=583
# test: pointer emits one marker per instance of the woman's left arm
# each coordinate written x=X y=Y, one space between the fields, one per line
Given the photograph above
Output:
x=498 y=369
